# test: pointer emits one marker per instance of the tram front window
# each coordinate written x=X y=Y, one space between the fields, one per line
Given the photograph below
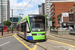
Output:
x=37 y=24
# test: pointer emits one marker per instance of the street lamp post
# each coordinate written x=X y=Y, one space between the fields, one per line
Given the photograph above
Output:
x=48 y=25
x=20 y=19
x=61 y=27
x=2 y=15
x=12 y=20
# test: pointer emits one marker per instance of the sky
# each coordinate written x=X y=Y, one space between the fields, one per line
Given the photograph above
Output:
x=32 y=8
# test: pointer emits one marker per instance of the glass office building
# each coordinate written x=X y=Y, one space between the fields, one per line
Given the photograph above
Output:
x=5 y=8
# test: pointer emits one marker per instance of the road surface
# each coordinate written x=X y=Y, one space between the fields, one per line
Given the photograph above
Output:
x=17 y=43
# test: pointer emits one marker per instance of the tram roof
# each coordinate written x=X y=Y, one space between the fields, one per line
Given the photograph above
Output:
x=30 y=15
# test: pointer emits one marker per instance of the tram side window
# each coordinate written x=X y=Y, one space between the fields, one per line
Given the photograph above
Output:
x=18 y=27
x=28 y=30
x=21 y=27
x=24 y=30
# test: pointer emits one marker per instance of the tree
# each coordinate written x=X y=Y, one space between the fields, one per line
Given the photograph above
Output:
x=7 y=23
x=46 y=16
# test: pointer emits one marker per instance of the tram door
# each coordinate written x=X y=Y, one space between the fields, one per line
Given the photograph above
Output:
x=25 y=29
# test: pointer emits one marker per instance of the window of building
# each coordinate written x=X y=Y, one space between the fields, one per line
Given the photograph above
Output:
x=71 y=21
x=53 y=22
x=53 y=13
x=71 y=18
x=53 y=18
x=53 y=5
x=47 y=12
x=71 y=14
x=47 y=9
x=71 y=10
x=47 y=2
x=54 y=9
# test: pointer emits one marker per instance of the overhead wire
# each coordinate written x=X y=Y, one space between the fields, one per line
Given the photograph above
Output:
x=26 y=6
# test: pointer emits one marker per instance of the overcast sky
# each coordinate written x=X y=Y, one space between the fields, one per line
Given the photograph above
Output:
x=32 y=8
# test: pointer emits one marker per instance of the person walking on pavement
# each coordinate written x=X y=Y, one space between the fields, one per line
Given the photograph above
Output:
x=71 y=28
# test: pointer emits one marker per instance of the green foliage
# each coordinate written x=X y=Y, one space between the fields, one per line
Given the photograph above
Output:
x=58 y=26
x=11 y=29
x=51 y=27
x=50 y=19
x=44 y=15
x=14 y=29
x=7 y=23
x=12 y=26
x=8 y=29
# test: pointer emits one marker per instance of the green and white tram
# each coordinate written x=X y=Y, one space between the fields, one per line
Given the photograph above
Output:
x=32 y=27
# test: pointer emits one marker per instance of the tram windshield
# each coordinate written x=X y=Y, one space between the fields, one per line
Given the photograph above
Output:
x=37 y=23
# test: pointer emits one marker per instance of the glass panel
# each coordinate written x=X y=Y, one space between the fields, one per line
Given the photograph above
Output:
x=27 y=27
x=37 y=23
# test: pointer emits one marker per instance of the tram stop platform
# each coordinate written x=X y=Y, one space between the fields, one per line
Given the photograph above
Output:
x=70 y=36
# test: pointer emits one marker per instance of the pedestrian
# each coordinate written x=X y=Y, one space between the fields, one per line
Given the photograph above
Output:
x=71 y=28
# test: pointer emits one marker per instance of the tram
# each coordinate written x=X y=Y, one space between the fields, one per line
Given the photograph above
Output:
x=32 y=27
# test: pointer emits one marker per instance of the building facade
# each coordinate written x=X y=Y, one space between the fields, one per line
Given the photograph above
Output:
x=48 y=3
x=42 y=8
x=15 y=20
x=68 y=20
x=47 y=6
x=59 y=7
x=72 y=19
x=4 y=10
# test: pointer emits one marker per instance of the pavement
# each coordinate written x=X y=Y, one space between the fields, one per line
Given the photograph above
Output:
x=70 y=36
x=6 y=34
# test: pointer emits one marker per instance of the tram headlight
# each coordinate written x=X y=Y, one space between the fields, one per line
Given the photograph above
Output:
x=29 y=34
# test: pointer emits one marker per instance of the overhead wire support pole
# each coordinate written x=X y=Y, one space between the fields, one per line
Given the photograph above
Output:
x=48 y=27
x=48 y=17
x=12 y=20
x=49 y=22
x=2 y=15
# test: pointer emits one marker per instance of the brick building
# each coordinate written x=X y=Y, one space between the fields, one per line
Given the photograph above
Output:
x=67 y=20
x=60 y=7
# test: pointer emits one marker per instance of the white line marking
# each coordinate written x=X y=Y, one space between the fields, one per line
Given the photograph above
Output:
x=5 y=43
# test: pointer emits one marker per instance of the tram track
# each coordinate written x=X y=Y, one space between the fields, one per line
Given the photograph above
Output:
x=32 y=43
x=41 y=47
x=44 y=45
